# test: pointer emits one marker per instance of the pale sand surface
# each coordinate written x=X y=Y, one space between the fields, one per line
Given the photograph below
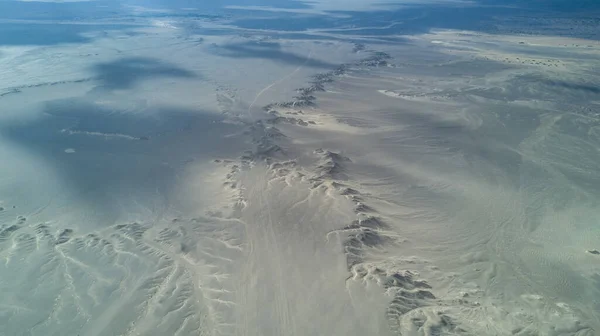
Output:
x=170 y=180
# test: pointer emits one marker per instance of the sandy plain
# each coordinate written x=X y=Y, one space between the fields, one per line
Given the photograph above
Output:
x=192 y=176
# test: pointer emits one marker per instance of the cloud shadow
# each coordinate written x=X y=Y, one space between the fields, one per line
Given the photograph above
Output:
x=46 y=34
x=126 y=73
x=106 y=155
x=271 y=51
x=580 y=87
